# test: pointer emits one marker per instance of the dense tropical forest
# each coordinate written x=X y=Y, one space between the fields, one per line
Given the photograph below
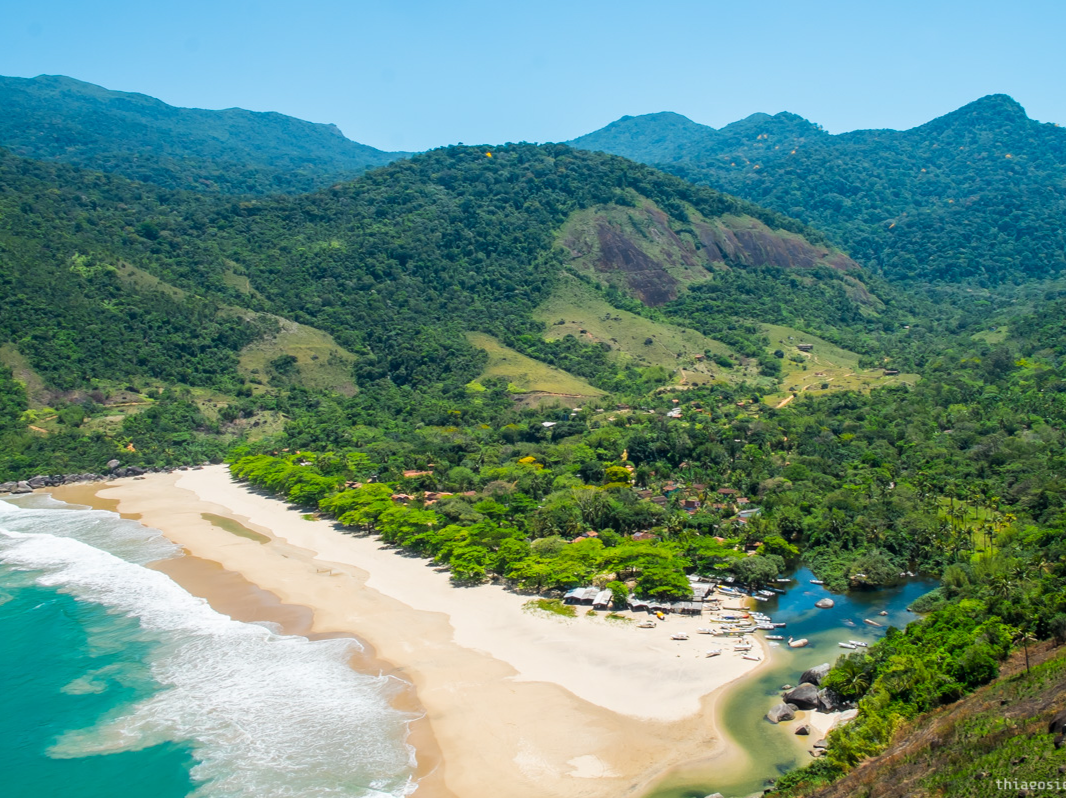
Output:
x=972 y=197
x=549 y=367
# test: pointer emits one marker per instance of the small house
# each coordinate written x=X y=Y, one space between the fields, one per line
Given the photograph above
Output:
x=805 y=347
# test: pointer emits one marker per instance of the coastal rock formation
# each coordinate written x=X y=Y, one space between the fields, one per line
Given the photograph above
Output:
x=825 y=604
x=830 y=701
x=803 y=730
x=816 y=674
x=804 y=697
x=113 y=464
x=781 y=712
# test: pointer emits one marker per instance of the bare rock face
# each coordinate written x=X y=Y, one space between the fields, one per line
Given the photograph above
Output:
x=1058 y=723
x=816 y=674
x=804 y=697
x=825 y=604
x=781 y=712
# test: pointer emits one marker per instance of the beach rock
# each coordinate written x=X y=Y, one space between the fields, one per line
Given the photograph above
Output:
x=38 y=482
x=883 y=613
x=845 y=717
x=716 y=795
x=825 y=604
x=803 y=730
x=786 y=687
x=135 y=471
x=804 y=697
x=113 y=464
x=830 y=701
x=781 y=712
x=8 y=487
x=816 y=674
x=823 y=744
x=23 y=487
x=1058 y=723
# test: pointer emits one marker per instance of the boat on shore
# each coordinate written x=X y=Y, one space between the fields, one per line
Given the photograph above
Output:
x=704 y=630
x=775 y=637
x=679 y=636
x=646 y=625
x=753 y=658
x=714 y=652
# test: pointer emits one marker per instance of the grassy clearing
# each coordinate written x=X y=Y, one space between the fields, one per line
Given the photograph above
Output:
x=576 y=309
x=144 y=281
x=553 y=606
x=322 y=364
x=524 y=374
x=24 y=373
x=825 y=368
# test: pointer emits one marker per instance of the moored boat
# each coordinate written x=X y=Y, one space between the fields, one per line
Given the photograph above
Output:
x=872 y=623
x=679 y=636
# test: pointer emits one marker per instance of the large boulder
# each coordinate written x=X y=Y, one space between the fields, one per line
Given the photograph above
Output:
x=804 y=697
x=825 y=604
x=830 y=701
x=38 y=482
x=816 y=674
x=113 y=464
x=8 y=487
x=803 y=730
x=781 y=712
x=1058 y=723
x=23 y=487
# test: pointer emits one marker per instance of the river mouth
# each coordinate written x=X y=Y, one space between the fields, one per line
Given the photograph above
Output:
x=759 y=750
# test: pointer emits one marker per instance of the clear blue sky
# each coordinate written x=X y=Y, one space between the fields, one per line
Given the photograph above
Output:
x=415 y=74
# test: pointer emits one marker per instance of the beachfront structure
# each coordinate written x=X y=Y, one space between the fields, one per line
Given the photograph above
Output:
x=602 y=600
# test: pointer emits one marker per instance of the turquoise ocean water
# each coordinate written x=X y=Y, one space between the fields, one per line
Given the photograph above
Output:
x=118 y=683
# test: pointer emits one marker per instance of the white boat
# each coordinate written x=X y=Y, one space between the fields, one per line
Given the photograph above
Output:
x=859 y=644
x=646 y=625
x=753 y=658
x=679 y=636
x=784 y=580
x=817 y=582
x=852 y=646
x=780 y=625
x=775 y=637
x=760 y=598
x=714 y=652
x=801 y=643
x=704 y=630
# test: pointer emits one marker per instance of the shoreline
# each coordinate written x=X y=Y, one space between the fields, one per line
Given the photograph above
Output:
x=545 y=705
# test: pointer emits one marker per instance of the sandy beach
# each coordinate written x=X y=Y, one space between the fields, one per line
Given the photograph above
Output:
x=516 y=701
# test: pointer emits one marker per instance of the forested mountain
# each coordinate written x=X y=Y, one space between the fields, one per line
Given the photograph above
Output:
x=230 y=152
x=971 y=197
x=108 y=281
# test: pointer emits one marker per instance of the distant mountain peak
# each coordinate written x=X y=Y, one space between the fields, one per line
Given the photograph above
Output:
x=990 y=111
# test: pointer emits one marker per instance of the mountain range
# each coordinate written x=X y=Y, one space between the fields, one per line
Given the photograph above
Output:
x=972 y=196
x=233 y=151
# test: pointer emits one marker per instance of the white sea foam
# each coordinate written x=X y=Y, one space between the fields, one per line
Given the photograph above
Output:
x=265 y=714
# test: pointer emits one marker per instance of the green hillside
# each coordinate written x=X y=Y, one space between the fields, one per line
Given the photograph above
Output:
x=234 y=151
x=577 y=309
x=524 y=375
x=972 y=196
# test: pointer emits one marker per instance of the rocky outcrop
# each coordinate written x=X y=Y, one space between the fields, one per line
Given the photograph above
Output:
x=830 y=701
x=804 y=697
x=56 y=480
x=803 y=730
x=781 y=712
x=816 y=674
x=825 y=604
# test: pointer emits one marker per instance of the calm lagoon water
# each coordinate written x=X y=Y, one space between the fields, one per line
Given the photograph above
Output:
x=119 y=684
x=773 y=749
